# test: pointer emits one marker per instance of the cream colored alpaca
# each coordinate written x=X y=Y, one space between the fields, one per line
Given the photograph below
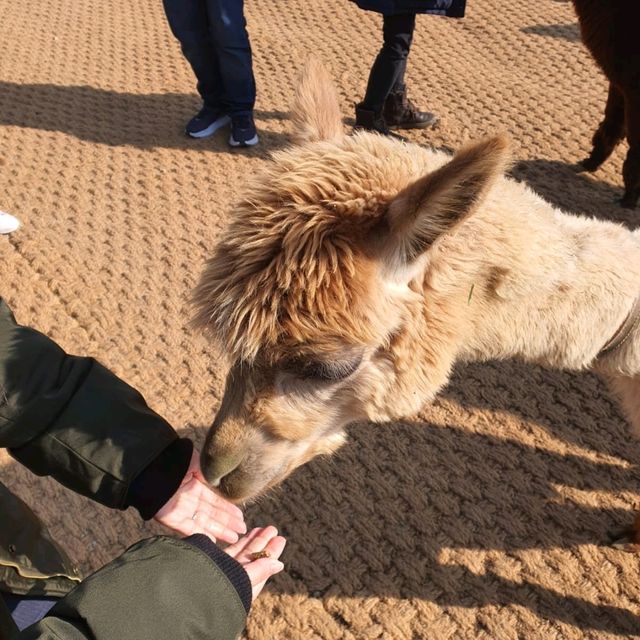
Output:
x=358 y=269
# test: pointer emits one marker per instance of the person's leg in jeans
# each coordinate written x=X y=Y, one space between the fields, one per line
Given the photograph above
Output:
x=230 y=39
x=386 y=80
x=189 y=22
x=27 y=610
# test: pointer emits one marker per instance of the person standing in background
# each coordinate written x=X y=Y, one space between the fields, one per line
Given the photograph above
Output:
x=385 y=105
x=214 y=40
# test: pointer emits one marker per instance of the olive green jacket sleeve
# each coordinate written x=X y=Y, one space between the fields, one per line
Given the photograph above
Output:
x=71 y=418
x=160 y=589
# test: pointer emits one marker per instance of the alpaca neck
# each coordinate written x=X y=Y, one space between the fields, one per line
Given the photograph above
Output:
x=537 y=284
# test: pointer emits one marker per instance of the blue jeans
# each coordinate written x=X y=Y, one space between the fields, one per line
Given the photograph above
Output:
x=27 y=610
x=214 y=39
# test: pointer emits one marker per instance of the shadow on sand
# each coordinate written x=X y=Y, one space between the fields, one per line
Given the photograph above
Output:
x=569 y=31
x=564 y=186
x=387 y=515
x=119 y=119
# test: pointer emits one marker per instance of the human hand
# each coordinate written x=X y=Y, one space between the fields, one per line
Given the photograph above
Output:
x=261 y=569
x=196 y=508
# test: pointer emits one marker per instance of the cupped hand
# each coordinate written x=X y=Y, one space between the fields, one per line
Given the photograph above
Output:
x=196 y=508
x=261 y=569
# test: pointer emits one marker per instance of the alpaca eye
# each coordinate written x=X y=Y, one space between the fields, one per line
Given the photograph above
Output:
x=329 y=371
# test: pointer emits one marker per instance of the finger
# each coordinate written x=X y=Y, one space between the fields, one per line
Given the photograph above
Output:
x=260 y=541
x=209 y=526
x=222 y=519
x=276 y=546
x=218 y=502
x=226 y=507
x=228 y=520
x=273 y=549
x=257 y=588
x=221 y=533
x=194 y=495
x=259 y=571
x=238 y=549
x=221 y=523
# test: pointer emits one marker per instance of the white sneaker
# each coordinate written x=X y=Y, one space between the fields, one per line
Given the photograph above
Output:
x=8 y=223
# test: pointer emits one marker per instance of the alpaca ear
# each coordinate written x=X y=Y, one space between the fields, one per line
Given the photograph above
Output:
x=316 y=112
x=436 y=203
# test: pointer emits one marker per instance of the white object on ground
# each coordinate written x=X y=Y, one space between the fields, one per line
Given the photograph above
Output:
x=8 y=223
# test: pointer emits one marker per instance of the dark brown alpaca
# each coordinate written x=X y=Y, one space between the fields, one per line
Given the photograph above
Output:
x=611 y=31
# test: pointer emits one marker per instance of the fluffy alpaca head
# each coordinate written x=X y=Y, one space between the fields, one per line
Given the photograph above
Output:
x=316 y=281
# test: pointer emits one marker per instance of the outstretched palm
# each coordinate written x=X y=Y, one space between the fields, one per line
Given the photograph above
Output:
x=196 y=508
x=259 y=570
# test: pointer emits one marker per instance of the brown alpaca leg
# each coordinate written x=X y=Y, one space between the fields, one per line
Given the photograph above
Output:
x=627 y=390
x=610 y=131
x=631 y=167
x=629 y=538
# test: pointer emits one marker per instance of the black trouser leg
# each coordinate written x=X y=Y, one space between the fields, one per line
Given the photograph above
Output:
x=388 y=69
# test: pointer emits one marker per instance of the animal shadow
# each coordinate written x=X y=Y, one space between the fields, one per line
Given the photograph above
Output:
x=565 y=186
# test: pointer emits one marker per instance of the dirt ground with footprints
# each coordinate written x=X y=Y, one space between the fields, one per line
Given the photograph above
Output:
x=486 y=515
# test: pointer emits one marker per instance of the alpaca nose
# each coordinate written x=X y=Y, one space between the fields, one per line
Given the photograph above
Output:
x=216 y=467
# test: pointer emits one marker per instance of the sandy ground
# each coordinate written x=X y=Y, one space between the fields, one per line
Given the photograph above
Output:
x=482 y=517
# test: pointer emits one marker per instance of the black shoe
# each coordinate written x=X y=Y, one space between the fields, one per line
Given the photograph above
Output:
x=243 y=132
x=369 y=120
x=400 y=113
x=206 y=122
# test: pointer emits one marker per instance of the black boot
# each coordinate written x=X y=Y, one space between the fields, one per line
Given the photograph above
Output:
x=400 y=113
x=372 y=121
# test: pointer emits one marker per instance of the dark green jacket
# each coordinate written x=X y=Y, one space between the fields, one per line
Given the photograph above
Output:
x=70 y=418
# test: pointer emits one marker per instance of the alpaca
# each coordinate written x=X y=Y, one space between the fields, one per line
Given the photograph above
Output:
x=610 y=32
x=358 y=269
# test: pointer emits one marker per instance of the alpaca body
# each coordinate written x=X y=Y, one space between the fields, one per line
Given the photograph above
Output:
x=520 y=279
x=554 y=287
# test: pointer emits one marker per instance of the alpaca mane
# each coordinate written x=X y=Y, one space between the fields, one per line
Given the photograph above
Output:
x=291 y=267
